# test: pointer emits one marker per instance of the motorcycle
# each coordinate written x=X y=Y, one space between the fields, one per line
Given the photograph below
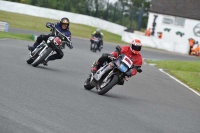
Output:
x=46 y=49
x=94 y=46
x=110 y=74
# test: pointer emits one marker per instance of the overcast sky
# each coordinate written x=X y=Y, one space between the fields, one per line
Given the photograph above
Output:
x=112 y=1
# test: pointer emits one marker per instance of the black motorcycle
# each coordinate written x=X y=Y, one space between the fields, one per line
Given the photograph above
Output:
x=110 y=74
x=95 y=44
x=46 y=49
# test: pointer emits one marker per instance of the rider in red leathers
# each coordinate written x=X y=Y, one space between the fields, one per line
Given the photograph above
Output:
x=132 y=51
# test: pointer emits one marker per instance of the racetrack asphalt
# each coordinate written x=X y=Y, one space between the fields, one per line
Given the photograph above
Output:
x=52 y=99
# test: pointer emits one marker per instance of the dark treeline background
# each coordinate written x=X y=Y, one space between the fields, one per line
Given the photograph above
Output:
x=132 y=14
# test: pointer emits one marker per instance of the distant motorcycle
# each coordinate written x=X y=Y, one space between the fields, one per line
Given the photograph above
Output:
x=95 y=44
x=44 y=50
x=110 y=74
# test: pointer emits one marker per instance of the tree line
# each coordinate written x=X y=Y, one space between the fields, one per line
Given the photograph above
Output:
x=132 y=14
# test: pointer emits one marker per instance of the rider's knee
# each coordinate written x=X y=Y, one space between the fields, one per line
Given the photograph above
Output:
x=60 y=55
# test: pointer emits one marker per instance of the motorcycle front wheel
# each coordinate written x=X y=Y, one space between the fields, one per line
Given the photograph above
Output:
x=30 y=60
x=41 y=57
x=94 y=47
x=87 y=84
x=106 y=88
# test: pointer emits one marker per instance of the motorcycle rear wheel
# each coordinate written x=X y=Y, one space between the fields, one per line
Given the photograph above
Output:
x=41 y=58
x=113 y=82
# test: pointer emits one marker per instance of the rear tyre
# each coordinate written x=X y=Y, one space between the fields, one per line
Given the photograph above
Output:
x=41 y=57
x=113 y=82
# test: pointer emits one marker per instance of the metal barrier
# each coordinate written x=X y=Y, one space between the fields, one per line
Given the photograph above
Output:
x=4 y=26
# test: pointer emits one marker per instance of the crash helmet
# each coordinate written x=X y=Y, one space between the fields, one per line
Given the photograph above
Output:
x=64 y=22
x=98 y=31
x=135 y=46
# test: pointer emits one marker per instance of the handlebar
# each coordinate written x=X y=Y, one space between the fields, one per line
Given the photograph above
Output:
x=57 y=33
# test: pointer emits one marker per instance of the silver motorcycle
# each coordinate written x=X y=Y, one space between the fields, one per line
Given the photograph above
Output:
x=46 y=49
x=110 y=74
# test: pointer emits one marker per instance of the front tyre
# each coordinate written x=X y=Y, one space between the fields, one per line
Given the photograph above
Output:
x=113 y=82
x=95 y=48
x=29 y=61
x=87 y=84
x=92 y=47
x=41 y=57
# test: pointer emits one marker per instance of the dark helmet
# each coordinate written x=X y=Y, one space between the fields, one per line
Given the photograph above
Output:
x=64 y=21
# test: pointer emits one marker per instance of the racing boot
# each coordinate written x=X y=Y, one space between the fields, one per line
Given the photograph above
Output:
x=31 y=48
x=95 y=67
x=45 y=62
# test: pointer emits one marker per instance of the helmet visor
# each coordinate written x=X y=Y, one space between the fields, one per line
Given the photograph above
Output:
x=65 y=25
x=136 y=48
x=65 y=21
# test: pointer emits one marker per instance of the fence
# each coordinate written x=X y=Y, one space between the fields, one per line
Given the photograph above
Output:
x=4 y=26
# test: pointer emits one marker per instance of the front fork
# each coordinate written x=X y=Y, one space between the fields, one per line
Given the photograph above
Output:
x=49 y=55
x=37 y=49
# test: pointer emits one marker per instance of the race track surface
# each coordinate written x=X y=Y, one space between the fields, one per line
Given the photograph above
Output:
x=52 y=99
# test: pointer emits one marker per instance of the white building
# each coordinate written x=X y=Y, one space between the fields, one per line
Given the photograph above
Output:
x=178 y=20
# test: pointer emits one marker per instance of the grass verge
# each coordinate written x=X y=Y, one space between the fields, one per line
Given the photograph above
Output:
x=22 y=21
x=186 y=71
x=16 y=36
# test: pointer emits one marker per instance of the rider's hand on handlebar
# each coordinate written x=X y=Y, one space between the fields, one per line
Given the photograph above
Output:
x=111 y=57
x=49 y=25
x=69 y=44
x=139 y=70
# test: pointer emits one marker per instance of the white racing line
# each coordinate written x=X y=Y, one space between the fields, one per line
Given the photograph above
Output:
x=174 y=78
x=180 y=82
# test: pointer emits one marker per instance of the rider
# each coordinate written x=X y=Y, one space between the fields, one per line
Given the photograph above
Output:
x=98 y=34
x=132 y=51
x=63 y=27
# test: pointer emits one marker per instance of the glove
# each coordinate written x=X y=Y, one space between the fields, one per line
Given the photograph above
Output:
x=49 y=25
x=111 y=57
x=69 y=44
x=139 y=70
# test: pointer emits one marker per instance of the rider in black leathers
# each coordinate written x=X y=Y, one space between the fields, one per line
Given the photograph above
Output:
x=98 y=34
x=63 y=27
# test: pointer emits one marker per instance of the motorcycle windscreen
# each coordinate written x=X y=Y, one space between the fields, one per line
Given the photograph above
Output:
x=123 y=67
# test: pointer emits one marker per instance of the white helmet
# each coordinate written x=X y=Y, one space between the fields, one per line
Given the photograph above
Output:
x=98 y=31
x=135 y=46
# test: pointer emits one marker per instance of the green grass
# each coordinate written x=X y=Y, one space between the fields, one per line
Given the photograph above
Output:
x=186 y=71
x=22 y=21
x=16 y=36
